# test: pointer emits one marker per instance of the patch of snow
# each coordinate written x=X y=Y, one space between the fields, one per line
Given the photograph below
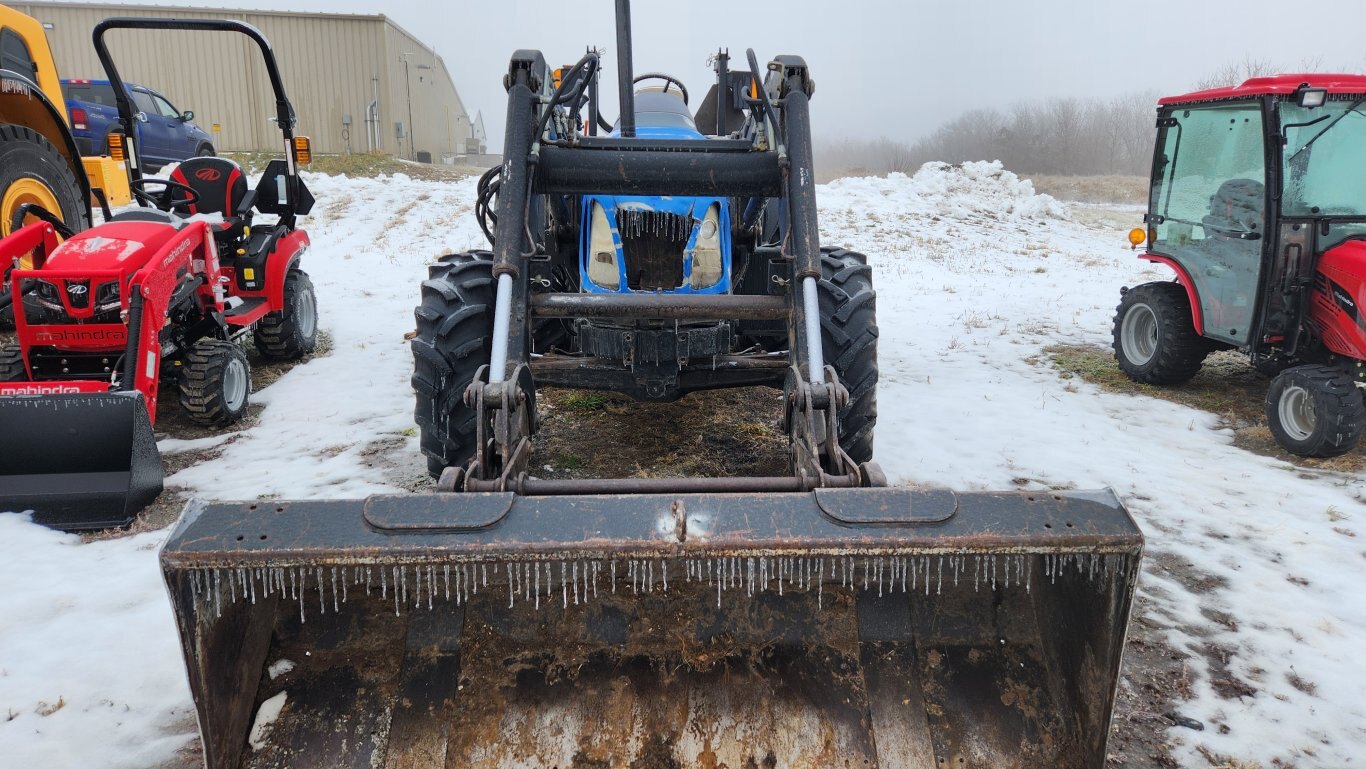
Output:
x=265 y=716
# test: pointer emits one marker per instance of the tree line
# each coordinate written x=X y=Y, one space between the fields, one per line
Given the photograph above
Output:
x=1065 y=136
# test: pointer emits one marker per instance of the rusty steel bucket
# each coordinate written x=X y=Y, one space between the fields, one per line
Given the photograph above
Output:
x=842 y=627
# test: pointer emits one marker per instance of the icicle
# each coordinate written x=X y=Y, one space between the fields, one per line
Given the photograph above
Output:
x=564 y=586
x=1029 y=575
x=446 y=575
x=344 y=573
x=575 y=573
x=367 y=580
x=383 y=583
x=336 y=602
x=614 y=576
x=664 y=571
x=512 y=588
x=939 y=590
x=217 y=594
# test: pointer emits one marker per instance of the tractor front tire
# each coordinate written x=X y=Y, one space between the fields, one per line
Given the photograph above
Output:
x=291 y=333
x=848 y=308
x=12 y=364
x=454 y=338
x=1315 y=411
x=1155 y=340
x=215 y=382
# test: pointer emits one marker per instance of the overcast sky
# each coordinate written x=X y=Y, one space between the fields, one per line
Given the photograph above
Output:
x=886 y=68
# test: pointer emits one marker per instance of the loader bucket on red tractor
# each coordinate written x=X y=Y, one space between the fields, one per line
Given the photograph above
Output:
x=869 y=627
x=78 y=461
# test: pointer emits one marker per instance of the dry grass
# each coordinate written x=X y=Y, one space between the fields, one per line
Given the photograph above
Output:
x=1093 y=189
x=1227 y=387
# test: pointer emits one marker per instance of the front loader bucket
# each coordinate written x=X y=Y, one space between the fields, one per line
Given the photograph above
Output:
x=851 y=628
x=79 y=461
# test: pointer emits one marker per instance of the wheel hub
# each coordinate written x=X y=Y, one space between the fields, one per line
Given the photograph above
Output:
x=235 y=384
x=1296 y=411
x=1138 y=334
x=25 y=191
x=307 y=312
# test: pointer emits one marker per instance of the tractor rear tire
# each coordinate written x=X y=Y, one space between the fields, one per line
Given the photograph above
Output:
x=12 y=364
x=291 y=333
x=215 y=382
x=32 y=170
x=1155 y=340
x=454 y=338
x=1315 y=411
x=849 y=342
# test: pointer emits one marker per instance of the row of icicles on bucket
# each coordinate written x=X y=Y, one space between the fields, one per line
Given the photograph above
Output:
x=576 y=582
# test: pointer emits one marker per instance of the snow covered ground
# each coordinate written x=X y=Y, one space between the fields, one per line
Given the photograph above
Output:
x=975 y=275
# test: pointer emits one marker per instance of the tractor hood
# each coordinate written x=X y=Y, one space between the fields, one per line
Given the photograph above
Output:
x=123 y=246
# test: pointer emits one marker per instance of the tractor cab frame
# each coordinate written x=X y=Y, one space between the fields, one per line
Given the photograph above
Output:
x=1258 y=204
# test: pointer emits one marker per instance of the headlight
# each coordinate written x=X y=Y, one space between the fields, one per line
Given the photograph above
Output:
x=706 y=255
x=107 y=297
x=602 y=252
x=47 y=296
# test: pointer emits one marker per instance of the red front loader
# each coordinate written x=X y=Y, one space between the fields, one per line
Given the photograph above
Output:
x=161 y=294
x=1258 y=205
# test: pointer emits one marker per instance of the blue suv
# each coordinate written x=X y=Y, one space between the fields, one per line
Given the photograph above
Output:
x=164 y=133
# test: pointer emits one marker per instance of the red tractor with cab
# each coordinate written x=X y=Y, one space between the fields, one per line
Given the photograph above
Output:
x=1258 y=204
x=162 y=294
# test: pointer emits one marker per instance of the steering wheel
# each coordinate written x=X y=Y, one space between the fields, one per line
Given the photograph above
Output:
x=668 y=81
x=167 y=199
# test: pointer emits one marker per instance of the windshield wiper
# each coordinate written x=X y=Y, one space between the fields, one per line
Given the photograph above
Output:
x=1328 y=127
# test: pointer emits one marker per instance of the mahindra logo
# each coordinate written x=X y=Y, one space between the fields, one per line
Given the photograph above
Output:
x=76 y=289
x=208 y=174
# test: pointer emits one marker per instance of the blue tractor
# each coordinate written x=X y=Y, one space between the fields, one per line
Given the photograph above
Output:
x=673 y=252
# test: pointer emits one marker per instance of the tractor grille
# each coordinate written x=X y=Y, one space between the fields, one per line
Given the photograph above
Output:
x=652 y=244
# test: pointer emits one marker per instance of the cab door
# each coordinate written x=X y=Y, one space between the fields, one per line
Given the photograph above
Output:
x=1208 y=208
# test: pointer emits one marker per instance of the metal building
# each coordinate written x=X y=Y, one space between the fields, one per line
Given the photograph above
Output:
x=357 y=82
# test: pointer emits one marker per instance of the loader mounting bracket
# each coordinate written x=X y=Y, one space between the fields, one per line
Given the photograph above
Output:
x=506 y=414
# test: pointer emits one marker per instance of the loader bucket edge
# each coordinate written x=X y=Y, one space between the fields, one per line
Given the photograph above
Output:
x=605 y=633
x=79 y=461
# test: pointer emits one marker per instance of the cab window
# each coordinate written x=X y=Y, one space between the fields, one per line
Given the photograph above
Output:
x=14 y=54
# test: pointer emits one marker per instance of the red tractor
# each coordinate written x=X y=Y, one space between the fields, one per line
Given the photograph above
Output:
x=1258 y=204
x=161 y=294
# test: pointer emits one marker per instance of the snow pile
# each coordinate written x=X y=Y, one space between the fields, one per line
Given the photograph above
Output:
x=969 y=191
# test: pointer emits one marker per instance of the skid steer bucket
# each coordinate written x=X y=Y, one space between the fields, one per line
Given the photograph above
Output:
x=859 y=627
x=79 y=461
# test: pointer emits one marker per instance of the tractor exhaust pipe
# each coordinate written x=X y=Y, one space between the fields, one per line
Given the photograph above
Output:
x=625 y=74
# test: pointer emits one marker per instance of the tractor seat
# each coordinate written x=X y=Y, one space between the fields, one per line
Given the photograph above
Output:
x=222 y=187
x=1236 y=207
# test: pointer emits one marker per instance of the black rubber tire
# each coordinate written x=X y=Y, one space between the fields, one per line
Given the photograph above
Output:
x=1177 y=350
x=454 y=338
x=209 y=392
x=1335 y=416
x=205 y=151
x=27 y=154
x=849 y=343
x=12 y=364
x=291 y=333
